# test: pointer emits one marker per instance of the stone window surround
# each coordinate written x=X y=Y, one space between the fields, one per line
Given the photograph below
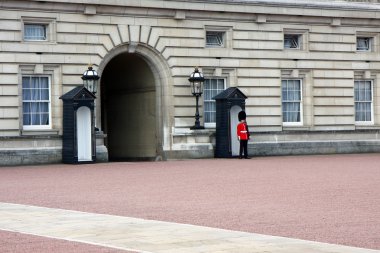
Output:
x=40 y=70
x=373 y=41
x=372 y=122
x=227 y=38
x=50 y=23
x=37 y=127
x=303 y=38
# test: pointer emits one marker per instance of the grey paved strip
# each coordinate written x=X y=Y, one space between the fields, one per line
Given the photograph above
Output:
x=150 y=236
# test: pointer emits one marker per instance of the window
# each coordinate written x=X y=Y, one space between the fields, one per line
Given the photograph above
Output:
x=363 y=43
x=39 y=30
x=35 y=32
x=215 y=39
x=363 y=102
x=212 y=87
x=36 y=102
x=218 y=36
x=292 y=41
x=291 y=102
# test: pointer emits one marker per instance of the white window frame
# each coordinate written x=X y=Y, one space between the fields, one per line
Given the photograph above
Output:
x=300 y=123
x=298 y=42
x=211 y=124
x=36 y=127
x=370 y=43
x=370 y=122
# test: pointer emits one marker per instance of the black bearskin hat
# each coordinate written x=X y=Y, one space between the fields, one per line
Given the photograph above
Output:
x=242 y=115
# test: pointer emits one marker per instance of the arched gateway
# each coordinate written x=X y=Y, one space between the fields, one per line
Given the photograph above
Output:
x=135 y=109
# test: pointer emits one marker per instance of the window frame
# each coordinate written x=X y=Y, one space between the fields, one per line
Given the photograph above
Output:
x=371 y=122
x=300 y=123
x=211 y=124
x=299 y=41
x=223 y=39
x=303 y=38
x=45 y=27
x=226 y=32
x=370 y=44
x=48 y=23
x=36 y=127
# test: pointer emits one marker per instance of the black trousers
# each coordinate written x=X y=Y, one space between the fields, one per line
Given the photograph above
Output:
x=243 y=148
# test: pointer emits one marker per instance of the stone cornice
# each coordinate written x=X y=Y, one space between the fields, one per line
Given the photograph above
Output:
x=322 y=8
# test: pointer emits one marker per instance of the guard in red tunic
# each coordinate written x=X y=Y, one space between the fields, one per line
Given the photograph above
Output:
x=243 y=135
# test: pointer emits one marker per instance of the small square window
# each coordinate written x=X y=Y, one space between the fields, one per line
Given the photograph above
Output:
x=363 y=43
x=215 y=39
x=292 y=41
x=33 y=32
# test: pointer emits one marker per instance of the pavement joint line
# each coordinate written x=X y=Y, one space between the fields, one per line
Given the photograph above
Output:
x=149 y=236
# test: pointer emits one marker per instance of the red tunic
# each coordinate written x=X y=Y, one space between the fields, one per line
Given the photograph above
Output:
x=242 y=131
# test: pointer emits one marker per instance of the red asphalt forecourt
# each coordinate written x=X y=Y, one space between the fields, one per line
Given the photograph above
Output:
x=333 y=198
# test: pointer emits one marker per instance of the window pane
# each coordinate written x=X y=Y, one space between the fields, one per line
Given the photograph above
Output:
x=26 y=107
x=368 y=91
x=363 y=43
x=44 y=82
x=291 y=41
x=214 y=38
x=207 y=117
x=36 y=103
x=212 y=88
x=35 y=119
x=220 y=84
x=368 y=116
x=356 y=95
x=284 y=90
x=285 y=117
x=363 y=100
x=26 y=119
x=214 y=84
x=44 y=107
x=26 y=82
x=35 y=82
x=34 y=32
x=297 y=94
x=291 y=100
x=45 y=119
x=45 y=94
x=26 y=94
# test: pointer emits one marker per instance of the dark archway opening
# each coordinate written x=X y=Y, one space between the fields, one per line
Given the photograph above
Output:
x=129 y=108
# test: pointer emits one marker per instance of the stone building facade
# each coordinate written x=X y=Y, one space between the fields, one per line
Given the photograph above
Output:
x=310 y=70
